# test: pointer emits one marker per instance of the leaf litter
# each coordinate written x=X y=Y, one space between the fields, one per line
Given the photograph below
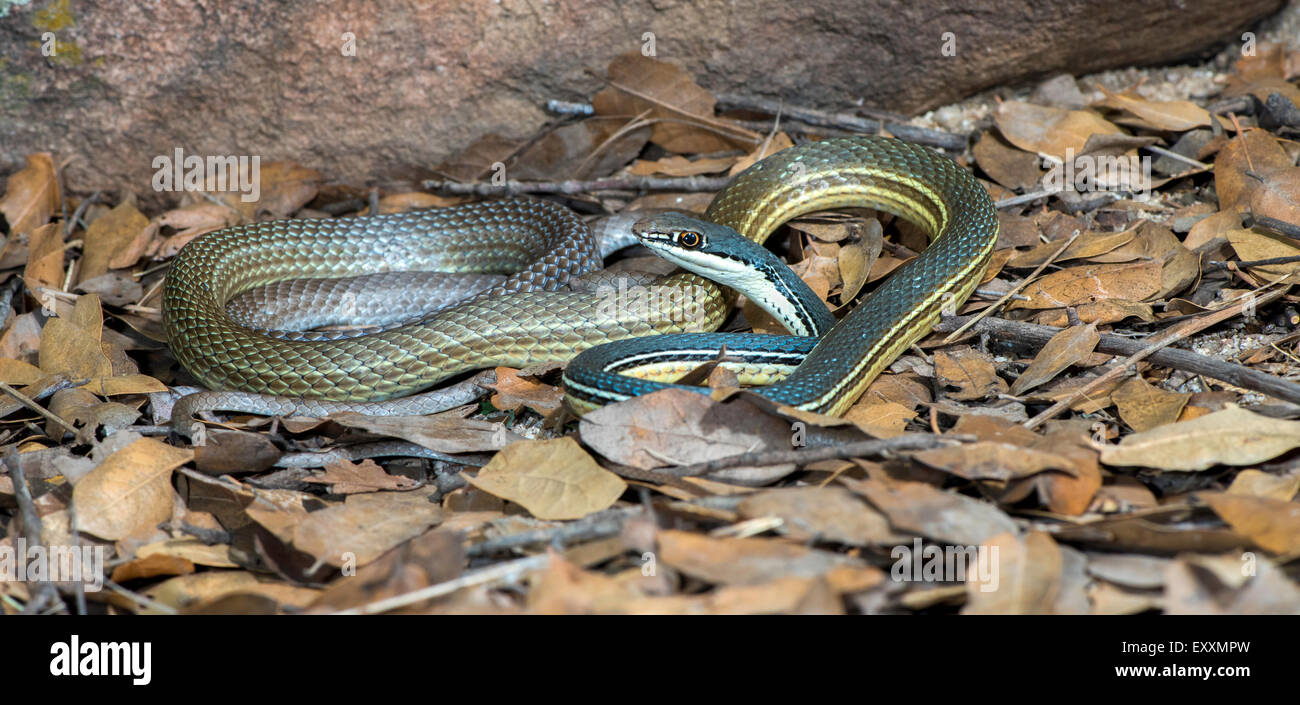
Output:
x=1157 y=486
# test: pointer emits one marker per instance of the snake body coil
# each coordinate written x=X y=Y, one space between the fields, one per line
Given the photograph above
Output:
x=525 y=321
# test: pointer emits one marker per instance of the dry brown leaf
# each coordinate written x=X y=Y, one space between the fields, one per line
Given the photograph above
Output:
x=1135 y=281
x=152 y=566
x=1014 y=168
x=744 y=561
x=989 y=460
x=1171 y=115
x=1051 y=131
x=975 y=376
x=366 y=525
x=855 y=260
x=1273 y=524
x=932 y=513
x=1066 y=348
x=677 y=165
x=1144 y=407
x=108 y=236
x=1028 y=576
x=45 y=257
x=674 y=98
x=776 y=143
x=354 y=478
x=1256 y=483
x=414 y=200
x=1253 y=151
x=882 y=419
x=284 y=188
x=131 y=488
x=515 y=391
x=1087 y=245
x=1232 y=436
x=74 y=350
x=1251 y=245
x=821 y=513
x=190 y=549
x=678 y=426
x=188 y=591
x=31 y=195
x=552 y=479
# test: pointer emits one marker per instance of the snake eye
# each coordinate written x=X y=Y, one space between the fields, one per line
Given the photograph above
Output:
x=689 y=239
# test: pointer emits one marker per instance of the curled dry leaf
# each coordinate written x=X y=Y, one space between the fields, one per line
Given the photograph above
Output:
x=515 y=391
x=745 y=561
x=131 y=488
x=366 y=525
x=108 y=236
x=971 y=372
x=31 y=195
x=45 y=255
x=353 y=478
x=821 y=513
x=1144 y=407
x=1232 y=436
x=552 y=479
x=1273 y=524
x=1025 y=576
x=1066 y=348
x=677 y=426
x=1051 y=131
x=1134 y=281
x=670 y=94
x=1170 y=115
x=933 y=513
x=989 y=460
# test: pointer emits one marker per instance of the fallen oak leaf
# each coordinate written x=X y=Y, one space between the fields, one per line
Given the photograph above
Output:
x=1232 y=436
x=989 y=460
x=366 y=476
x=552 y=479
x=32 y=195
x=514 y=390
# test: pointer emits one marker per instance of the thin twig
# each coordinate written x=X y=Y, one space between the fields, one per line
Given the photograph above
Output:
x=1152 y=345
x=1015 y=289
x=510 y=570
x=593 y=526
x=857 y=449
x=844 y=121
x=45 y=593
x=571 y=187
x=30 y=404
x=1036 y=336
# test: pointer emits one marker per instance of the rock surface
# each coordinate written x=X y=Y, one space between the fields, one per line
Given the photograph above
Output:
x=375 y=93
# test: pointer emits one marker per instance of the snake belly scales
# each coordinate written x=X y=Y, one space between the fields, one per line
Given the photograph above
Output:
x=527 y=319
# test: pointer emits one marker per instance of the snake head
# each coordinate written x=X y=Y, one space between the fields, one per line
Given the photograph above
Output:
x=708 y=249
x=721 y=254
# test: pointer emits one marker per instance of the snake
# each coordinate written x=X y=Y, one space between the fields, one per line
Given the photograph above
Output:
x=541 y=246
